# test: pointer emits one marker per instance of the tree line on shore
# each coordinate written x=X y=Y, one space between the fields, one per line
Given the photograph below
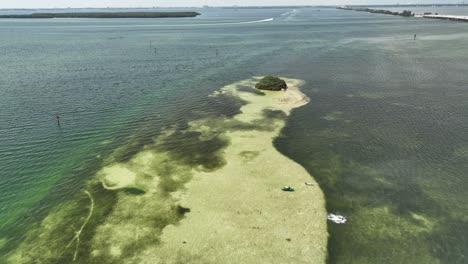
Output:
x=105 y=15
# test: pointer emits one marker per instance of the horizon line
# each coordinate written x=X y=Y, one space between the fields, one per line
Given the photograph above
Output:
x=226 y=6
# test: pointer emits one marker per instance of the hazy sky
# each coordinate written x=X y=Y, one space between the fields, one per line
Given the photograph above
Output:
x=149 y=3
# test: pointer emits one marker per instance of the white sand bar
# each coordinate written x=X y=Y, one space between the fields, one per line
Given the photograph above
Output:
x=239 y=214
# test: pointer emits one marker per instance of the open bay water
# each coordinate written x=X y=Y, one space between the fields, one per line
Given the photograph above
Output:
x=385 y=134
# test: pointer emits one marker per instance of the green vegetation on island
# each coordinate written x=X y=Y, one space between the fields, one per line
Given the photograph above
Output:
x=106 y=15
x=405 y=13
x=271 y=83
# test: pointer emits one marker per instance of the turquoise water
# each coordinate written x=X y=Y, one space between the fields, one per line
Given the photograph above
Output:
x=385 y=133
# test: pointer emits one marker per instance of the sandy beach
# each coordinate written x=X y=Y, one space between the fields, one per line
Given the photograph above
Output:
x=239 y=213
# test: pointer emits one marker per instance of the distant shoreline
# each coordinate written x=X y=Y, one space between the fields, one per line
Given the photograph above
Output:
x=105 y=15
x=405 y=13
x=234 y=7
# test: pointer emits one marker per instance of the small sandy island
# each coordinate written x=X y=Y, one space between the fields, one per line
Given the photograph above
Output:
x=206 y=193
x=239 y=213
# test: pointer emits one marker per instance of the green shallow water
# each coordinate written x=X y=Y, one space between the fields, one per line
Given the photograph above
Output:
x=385 y=133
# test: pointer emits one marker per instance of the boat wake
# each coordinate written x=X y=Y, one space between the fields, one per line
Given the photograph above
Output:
x=172 y=25
x=256 y=21
x=225 y=23
x=289 y=15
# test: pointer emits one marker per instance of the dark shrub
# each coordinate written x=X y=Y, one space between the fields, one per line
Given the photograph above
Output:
x=271 y=83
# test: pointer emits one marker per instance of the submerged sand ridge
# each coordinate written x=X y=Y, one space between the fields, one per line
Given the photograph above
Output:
x=209 y=193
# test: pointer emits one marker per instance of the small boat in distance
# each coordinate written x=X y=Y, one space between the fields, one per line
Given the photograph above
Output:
x=288 y=189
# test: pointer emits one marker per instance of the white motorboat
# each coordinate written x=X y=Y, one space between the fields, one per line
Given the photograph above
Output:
x=338 y=219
